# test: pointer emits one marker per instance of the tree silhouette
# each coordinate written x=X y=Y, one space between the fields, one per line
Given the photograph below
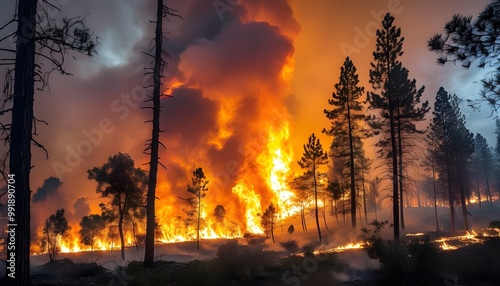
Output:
x=198 y=191
x=302 y=186
x=162 y=11
x=119 y=180
x=407 y=114
x=454 y=145
x=484 y=158
x=466 y=40
x=384 y=98
x=313 y=157
x=40 y=41
x=91 y=227
x=55 y=226
x=268 y=220
x=346 y=119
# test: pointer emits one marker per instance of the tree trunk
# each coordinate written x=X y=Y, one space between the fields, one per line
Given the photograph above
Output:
x=324 y=212
x=316 y=201
x=363 y=187
x=351 y=157
x=198 y=222
x=435 y=196
x=153 y=169
x=303 y=217
x=20 y=146
x=462 y=198
x=488 y=191
x=122 y=238
x=400 y=163
x=395 y=195
x=448 y=174
x=272 y=226
x=478 y=189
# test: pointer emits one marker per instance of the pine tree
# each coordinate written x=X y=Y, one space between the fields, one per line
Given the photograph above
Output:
x=314 y=156
x=346 y=120
x=466 y=40
x=388 y=50
x=407 y=114
x=454 y=148
x=198 y=191
x=268 y=220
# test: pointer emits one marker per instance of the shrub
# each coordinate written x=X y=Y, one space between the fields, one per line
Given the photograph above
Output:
x=413 y=262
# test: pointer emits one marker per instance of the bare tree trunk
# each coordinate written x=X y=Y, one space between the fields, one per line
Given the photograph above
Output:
x=316 y=201
x=153 y=169
x=20 y=145
x=395 y=195
x=488 y=191
x=122 y=238
x=400 y=163
x=364 y=189
x=198 y=222
x=478 y=189
x=351 y=157
x=462 y=198
x=435 y=195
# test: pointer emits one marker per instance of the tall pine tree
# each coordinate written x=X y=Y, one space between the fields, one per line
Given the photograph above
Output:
x=314 y=156
x=454 y=146
x=347 y=120
x=388 y=50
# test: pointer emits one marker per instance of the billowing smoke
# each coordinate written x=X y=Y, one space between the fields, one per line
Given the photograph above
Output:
x=49 y=188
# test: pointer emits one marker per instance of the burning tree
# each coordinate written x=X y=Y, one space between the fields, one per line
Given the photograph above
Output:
x=55 y=227
x=91 y=227
x=314 y=156
x=268 y=220
x=198 y=191
x=119 y=180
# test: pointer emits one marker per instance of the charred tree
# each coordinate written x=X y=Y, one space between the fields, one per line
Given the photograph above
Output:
x=39 y=40
x=162 y=11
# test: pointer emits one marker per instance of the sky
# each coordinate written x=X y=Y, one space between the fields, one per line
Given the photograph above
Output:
x=238 y=71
